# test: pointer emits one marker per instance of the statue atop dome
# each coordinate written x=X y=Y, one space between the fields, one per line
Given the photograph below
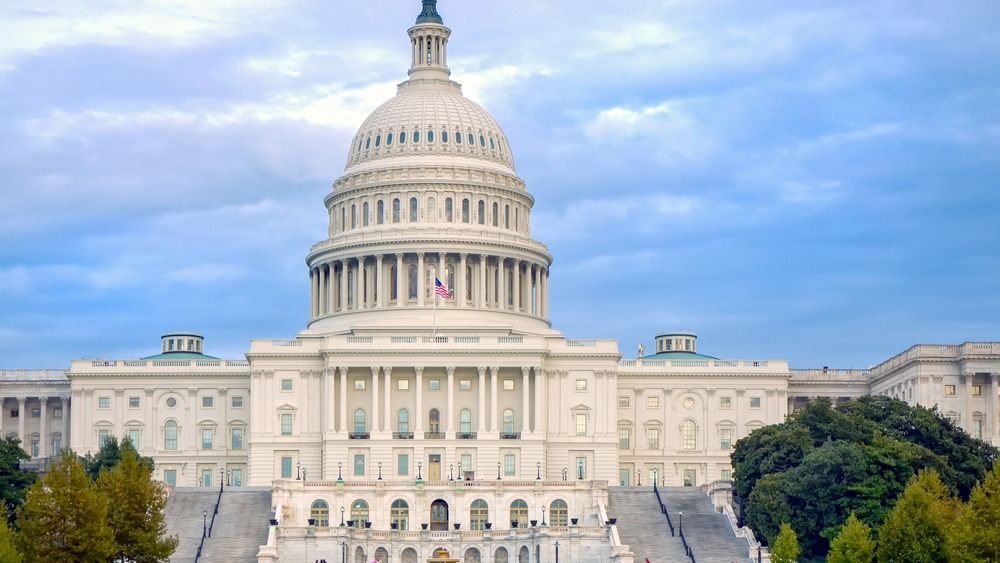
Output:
x=429 y=13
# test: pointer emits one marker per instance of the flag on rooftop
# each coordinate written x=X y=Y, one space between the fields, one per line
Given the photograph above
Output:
x=441 y=290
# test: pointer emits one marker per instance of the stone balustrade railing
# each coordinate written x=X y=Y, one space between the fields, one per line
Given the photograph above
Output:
x=754 y=365
x=936 y=351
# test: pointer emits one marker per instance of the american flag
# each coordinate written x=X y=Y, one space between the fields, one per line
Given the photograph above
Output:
x=440 y=289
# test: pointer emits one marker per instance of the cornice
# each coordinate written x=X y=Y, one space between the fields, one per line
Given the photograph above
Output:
x=333 y=249
x=424 y=185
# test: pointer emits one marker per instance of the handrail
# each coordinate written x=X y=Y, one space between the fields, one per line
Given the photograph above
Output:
x=687 y=548
x=663 y=508
x=208 y=533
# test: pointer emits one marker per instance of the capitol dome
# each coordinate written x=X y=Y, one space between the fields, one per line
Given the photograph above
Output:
x=429 y=225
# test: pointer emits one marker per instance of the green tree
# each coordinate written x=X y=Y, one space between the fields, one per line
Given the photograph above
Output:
x=919 y=526
x=110 y=455
x=977 y=532
x=8 y=551
x=14 y=482
x=135 y=514
x=64 y=517
x=853 y=544
x=785 y=548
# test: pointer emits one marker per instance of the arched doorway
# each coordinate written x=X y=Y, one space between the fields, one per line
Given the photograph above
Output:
x=409 y=555
x=359 y=555
x=500 y=555
x=523 y=556
x=472 y=556
x=439 y=515
x=381 y=555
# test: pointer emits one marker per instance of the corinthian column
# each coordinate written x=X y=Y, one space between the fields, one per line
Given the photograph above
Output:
x=387 y=423
x=482 y=399
x=421 y=279
x=419 y=415
x=482 y=282
x=463 y=281
x=380 y=293
x=400 y=290
x=344 y=267
x=322 y=291
x=525 y=400
x=375 y=419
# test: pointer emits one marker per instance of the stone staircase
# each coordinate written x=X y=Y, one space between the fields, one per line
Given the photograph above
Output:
x=645 y=530
x=184 y=518
x=240 y=527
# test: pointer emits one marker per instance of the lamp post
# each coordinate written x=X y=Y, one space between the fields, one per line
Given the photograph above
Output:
x=460 y=478
x=680 y=522
x=222 y=476
x=579 y=470
x=538 y=472
x=343 y=557
x=565 y=472
x=298 y=471
x=380 y=471
x=340 y=471
x=656 y=477
x=543 y=516
x=204 y=523
x=420 y=469
x=342 y=517
x=451 y=471
x=638 y=478
x=498 y=471
x=557 y=551
x=303 y=474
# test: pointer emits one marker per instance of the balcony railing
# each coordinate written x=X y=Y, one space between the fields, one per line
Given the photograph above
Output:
x=510 y=435
x=402 y=435
x=466 y=435
x=360 y=435
x=434 y=435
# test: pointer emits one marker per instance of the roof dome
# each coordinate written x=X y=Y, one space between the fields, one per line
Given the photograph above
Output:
x=430 y=120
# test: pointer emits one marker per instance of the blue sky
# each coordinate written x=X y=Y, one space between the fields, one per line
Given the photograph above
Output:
x=806 y=180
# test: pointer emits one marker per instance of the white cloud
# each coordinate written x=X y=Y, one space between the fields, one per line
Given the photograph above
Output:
x=668 y=130
x=587 y=218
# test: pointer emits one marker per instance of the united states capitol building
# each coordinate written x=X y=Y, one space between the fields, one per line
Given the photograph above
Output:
x=406 y=418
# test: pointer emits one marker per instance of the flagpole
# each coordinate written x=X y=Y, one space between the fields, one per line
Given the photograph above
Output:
x=435 y=306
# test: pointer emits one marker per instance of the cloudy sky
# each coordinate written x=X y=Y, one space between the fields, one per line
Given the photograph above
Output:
x=810 y=180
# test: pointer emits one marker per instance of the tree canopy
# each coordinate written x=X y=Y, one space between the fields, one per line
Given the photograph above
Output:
x=14 y=481
x=853 y=544
x=824 y=463
x=136 y=505
x=786 y=546
x=110 y=455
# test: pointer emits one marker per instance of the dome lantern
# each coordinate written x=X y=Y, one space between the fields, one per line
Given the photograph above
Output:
x=429 y=45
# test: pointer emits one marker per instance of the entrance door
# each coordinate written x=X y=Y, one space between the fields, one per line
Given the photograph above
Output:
x=690 y=476
x=434 y=467
x=625 y=476
x=439 y=515
x=236 y=478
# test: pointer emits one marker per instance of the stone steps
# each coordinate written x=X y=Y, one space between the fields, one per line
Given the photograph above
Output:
x=707 y=531
x=240 y=527
x=184 y=519
x=641 y=525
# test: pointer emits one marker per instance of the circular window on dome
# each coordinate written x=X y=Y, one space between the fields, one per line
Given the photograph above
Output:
x=171 y=403
x=430 y=136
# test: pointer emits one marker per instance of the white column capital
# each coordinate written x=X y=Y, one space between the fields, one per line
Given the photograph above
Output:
x=419 y=370
x=450 y=370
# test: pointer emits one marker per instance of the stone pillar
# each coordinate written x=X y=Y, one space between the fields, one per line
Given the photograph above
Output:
x=361 y=284
x=380 y=293
x=442 y=272
x=516 y=297
x=375 y=397
x=501 y=266
x=344 y=268
x=421 y=279
x=43 y=432
x=535 y=290
x=21 y=417
x=451 y=401
x=540 y=383
x=463 y=281
x=401 y=290
x=494 y=399
x=312 y=293
x=482 y=282
x=64 y=427
x=419 y=415
x=482 y=399
x=525 y=400
x=322 y=291
x=387 y=423
x=343 y=399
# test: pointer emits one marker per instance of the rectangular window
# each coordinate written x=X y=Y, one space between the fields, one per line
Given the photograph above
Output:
x=133 y=402
x=727 y=475
x=725 y=402
x=653 y=402
x=508 y=384
x=949 y=390
x=207 y=402
x=236 y=438
x=977 y=390
x=581 y=425
x=14 y=413
x=206 y=477
x=581 y=384
x=104 y=402
x=755 y=402
x=402 y=465
x=102 y=436
x=359 y=465
x=34 y=448
x=36 y=413
x=726 y=438
x=170 y=477
x=56 y=444
x=977 y=428
x=653 y=438
x=624 y=442
x=206 y=438
x=133 y=437
x=403 y=384
x=467 y=463
x=56 y=413
x=624 y=402
x=286 y=425
x=465 y=385
x=286 y=384
x=359 y=384
x=237 y=401
x=509 y=464
x=434 y=384
x=581 y=468
x=286 y=467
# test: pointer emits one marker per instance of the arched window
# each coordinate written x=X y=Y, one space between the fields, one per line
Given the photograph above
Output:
x=368 y=142
x=500 y=555
x=359 y=513
x=517 y=218
x=403 y=421
x=430 y=135
x=381 y=212
x=496 y=214
x=400 y=515
x=359 y=421
x=468 y=283
x=359 y=555
x=689 y=435
x=506 y=216
x=450 y=279
x=412 y=281
x=508 y=421
x=465 y=211
x=378 y=141
x=354 y=216
x=431 y=209
x=416 y=136
x=493 y=145
x=482 y=141
x=479 y=515
x=449 y=215
x=170 y=435
x=351 y=279
x=472 y=140
x=465 y=421
x=402 y=137
x=320 y=512
x=413 y=210
x=518 y=514
x=458 y=137
x=364 y=215
x=559 y=513
x=395 y=210
x=435 y=421
x=481 y=216
x=444 y=136
x=510 y=288
x=393 y=288
x=388 y=139
x=472 y=555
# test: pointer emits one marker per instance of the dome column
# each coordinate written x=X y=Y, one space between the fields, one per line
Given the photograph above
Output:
x=322 y=290
x=463 y=282
x=399 y=279
x=344 y=267
x=312 y=293
x=516 y=283
x=535 y=307
x=421 y=279
x=482 y=282
x=380 y=293
x=501 y=269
